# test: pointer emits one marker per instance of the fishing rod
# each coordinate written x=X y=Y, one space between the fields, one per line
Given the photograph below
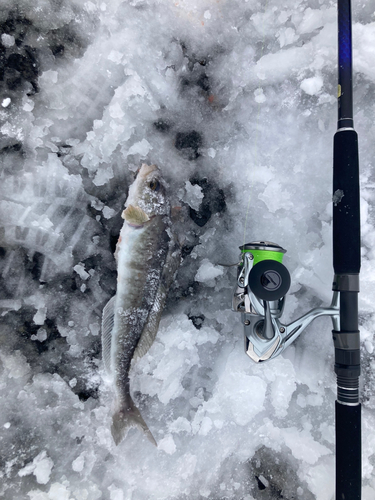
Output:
x=263 y=281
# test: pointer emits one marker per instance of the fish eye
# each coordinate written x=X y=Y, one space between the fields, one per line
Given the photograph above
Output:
x=154 y=185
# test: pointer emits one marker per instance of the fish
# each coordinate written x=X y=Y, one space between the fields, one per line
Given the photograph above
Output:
x=148 y=256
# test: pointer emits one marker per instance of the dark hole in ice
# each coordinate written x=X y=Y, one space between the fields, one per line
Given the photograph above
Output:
x=162 y=125
x=261 y=485
x=113 y=239
x=186 y=250
x=68 y=283
x=14 y=83
x=213 y=201
x=190 y=289
x=203 y=82
x=189 y=143
x=197 y=320
x=28 y=328
x=58 y=50
x=22 y=64
x=12 y=148
x=88 y=392
x=16 y=25
x=37 y=265
x=276 y=476
x=185 y=82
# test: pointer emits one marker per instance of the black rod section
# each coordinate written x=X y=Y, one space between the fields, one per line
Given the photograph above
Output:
x=345 y=86
x=346 y=263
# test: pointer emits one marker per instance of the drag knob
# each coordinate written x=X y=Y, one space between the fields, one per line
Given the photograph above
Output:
x=269 y=280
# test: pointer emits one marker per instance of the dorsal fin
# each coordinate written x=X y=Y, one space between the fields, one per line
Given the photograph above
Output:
x=108 y=318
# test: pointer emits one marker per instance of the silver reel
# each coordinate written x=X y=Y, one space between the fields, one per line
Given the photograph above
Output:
x=259 y=296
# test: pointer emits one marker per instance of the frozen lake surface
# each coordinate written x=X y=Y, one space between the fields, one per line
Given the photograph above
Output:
x=235 y=101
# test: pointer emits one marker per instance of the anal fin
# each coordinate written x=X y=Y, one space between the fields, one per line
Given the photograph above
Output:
x=108 y=319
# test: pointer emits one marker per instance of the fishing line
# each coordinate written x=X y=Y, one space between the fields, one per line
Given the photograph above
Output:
x=256 y=138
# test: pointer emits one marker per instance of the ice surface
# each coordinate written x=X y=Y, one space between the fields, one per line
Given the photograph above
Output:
x=236 y=103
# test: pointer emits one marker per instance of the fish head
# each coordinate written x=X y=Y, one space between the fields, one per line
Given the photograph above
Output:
x=147 y=197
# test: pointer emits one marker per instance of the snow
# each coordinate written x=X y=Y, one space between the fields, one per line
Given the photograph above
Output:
x=236 y=103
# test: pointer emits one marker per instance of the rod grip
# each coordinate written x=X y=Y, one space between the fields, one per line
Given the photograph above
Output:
x=348 y=452
x=346 y=200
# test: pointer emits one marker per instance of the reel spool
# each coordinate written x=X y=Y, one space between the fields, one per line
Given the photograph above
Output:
x=269 y=279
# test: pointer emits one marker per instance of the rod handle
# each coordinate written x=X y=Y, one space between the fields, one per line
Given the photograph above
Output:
x=346 y=200
x=348 y=452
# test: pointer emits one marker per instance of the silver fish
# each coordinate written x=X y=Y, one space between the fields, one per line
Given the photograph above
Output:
x=148 y=257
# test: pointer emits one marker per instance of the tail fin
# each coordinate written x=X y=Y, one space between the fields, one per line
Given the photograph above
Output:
x=124 y=418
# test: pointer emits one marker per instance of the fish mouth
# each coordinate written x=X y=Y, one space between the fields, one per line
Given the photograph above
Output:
x=135 y=216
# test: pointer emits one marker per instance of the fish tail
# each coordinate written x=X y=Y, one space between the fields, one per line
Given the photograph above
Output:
x=124 y=418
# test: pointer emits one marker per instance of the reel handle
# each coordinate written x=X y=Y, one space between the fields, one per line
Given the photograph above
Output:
x=269 y=280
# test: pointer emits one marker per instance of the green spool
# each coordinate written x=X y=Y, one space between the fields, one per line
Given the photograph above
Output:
x=264 y=250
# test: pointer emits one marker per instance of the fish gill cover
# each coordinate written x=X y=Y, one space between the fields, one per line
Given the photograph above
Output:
x=235 y=101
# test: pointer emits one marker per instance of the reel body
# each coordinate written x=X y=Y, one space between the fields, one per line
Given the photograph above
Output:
x=259 y=296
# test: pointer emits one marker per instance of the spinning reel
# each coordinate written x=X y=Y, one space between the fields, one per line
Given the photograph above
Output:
x=259 y=296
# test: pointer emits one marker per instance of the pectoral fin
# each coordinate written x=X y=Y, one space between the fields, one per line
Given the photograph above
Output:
x=135 y=215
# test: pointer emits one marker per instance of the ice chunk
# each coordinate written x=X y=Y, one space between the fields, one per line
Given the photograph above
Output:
x=5 y=102
x=192 y=195
x=7 y=40
x=259 y=95
x=181 y=424
x=303 y=445
x=58 y=491
x=167 y=444
x=206 y=426
x=41 y=467
x=41 y=335
x=78 y=463
x=16 y=365
x=108 y=212
x=320 y=478
x=103 y=176
x=10 y=305
x=369 y=346
x=28 y=106
x=48 y=77
x=338 y=195
x=207 y=272
x=141 y=148
x=73 y=382
x=313 y=85
x=287 y=36
x=115 y=56
x=115 y=493
x=40 y=316
x=80 y=269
